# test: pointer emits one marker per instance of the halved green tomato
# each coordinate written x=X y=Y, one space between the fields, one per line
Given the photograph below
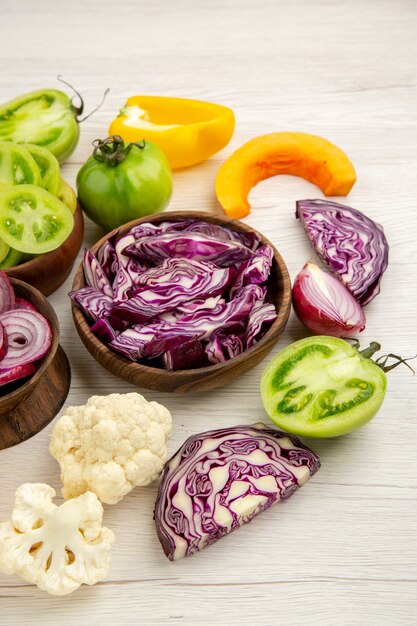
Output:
x=67 y=195
x=13 y=258
x=45 y=117
x=17 y=166
x=322 y=387
x=48 y=165
x=32 y=220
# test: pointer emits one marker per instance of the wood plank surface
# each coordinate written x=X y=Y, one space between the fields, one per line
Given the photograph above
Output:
x=343 y=551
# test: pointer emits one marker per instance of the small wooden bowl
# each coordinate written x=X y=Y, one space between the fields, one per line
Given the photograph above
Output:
x=47 y=272
x=203 y=378
x=19 y=395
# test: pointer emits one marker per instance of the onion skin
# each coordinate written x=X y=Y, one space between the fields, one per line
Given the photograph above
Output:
x=16 y=373
x=324 y=305
x=3 y=342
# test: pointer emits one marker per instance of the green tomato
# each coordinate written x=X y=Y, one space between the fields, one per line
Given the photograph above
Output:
x=17 y=166
x=322 y=387
x=46 y=118
x=67 y=195
x=48 y=165
x=121 y=182
x=32 y=220
x=13 y=258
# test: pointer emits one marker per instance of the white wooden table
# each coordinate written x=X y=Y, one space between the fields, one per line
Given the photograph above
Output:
x=343 y=550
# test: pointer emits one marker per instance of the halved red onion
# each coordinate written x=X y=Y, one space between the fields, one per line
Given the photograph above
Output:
x=7 y=299
x=21 y=303
x=324 y=305
x=3 y=342
x=16 y=373
x=29 y=337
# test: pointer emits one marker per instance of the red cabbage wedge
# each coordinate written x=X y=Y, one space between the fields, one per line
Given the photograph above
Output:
x=353 y=246
x=221 y=479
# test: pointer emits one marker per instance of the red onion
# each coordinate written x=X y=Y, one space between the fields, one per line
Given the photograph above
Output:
x=16 y=373
x=7 y=299
x=324 y=305
x=29 y=337
x=3 y=342
x=21 y=303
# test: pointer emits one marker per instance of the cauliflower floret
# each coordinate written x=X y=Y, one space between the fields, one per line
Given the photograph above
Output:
x=110 y=445
x=56 y=548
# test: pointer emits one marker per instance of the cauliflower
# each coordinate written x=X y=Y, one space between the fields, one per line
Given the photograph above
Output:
x=111 y=445
x=58 y=548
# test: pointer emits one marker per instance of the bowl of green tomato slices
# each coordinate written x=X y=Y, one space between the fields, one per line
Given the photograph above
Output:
x=41 y=221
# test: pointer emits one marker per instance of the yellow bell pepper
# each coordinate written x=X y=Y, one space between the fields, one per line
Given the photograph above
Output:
x=188 y=131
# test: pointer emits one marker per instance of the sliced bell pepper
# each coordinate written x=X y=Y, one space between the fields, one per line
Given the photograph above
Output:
x=188 y=131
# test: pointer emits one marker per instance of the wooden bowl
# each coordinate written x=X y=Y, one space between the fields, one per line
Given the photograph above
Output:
x=47 y=272
x=10 y=401
x=203 y=378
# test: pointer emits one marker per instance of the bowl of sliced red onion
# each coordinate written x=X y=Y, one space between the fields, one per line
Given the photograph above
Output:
x=181 y=301
x=29 y=336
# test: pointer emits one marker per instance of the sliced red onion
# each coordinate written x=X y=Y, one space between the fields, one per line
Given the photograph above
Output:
x=324 y=305
x=7 y=297
x=21 y=303
x=3 y=342
x=29 y=337
x=16 y=373
x=353 y=246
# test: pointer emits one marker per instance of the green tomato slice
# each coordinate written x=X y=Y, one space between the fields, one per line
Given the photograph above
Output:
x=32 y=220
x=67 y=195
x=17 y=166
x=45 y=117
x=48 y=165
x=14 y=257
x=322 y=387
x=4 y=250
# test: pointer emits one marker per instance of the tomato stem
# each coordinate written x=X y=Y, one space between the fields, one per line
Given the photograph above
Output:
x=113 y=150
x=370 y=350
x=80 y=108
x=383 y=360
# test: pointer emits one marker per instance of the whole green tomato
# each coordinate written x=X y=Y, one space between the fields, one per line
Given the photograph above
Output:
x=123 y=181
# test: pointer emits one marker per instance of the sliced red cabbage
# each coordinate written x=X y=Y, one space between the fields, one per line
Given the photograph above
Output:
x=254 y=271
x=199 y=304
x=221 y=479
x=249 y=239
x=174 y=271
x=214 y=350
x=166 y=296
x=260 y=316
x=172 y=291
x=103 y=330
x=108 y=260
x=94 y=303
x=94 y=274
x=7 y=297
x=122 y=285
x=190 y=355
x=29 y=337
x=353 y=246
x=139 y=342
x=190 y=246
x=120 y=248
x=221 y=347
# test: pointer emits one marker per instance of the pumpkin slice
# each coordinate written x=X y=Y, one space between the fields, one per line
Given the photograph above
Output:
x=299 y=154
